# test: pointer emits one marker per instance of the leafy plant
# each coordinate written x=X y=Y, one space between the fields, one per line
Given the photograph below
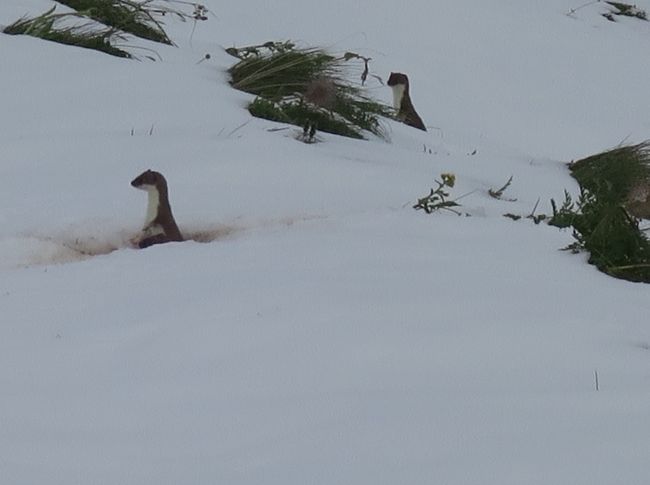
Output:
x=563 y=216
x=601 y=222
x=438 y=198
x=297 y=86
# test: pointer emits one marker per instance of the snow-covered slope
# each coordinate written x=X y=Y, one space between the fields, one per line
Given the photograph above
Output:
x=327 y=333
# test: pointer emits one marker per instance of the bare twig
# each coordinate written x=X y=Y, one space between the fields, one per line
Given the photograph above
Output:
x=498 y=194
x=574 y=10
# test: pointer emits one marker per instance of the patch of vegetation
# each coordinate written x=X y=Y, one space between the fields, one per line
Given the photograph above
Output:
x=610 y=175
x=298 y=86
x=438 y=198
x=616 y=9
x=601 y=221
x=625 y=10
x=298 y=113
x=52 y=27
x=105 y=22
x=124 y=15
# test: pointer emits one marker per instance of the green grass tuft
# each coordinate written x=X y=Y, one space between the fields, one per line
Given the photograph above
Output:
x=85 y=35
x=106 y=21
x=306 y=85
x=124 y=15
x=610 y=175
x=282 y=73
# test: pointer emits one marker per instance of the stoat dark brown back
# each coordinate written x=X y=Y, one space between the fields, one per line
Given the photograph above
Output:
x=402 y=101
x=159 y=226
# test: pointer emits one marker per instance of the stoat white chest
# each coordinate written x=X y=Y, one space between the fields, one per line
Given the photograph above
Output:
x=398 y=94
x=153 y=201
x=152 y=205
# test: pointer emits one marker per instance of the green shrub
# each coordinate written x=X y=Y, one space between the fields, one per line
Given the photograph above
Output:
x=305 y=85
x=602 y=225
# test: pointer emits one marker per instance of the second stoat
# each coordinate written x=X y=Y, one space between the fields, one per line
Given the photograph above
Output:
x=402 y=101
x=159 y=226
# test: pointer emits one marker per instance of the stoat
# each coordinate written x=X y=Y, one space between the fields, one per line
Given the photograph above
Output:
x=159 y=225
x=402 y=101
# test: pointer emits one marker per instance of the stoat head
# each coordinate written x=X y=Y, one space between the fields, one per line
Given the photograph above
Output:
x=149 y=180
x=397 y=79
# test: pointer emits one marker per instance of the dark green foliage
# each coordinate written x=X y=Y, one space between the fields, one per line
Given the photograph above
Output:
x=565 y=215
x=305 y=85
x=601 y=223
x=627 y=10
x=298 y=113
x=44 y=27
x=127 y=16
x=610 y=175
x=106 y=22
x=268 y=110
x=613 y=239
x=362 y=112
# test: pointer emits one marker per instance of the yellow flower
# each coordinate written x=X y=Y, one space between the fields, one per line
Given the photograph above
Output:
x=449 y=179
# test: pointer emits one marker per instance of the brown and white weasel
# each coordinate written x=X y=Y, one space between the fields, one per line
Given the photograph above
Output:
x=159 y=226
x=402 y=101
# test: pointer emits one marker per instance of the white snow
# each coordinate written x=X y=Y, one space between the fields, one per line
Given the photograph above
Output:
x=322 y=331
